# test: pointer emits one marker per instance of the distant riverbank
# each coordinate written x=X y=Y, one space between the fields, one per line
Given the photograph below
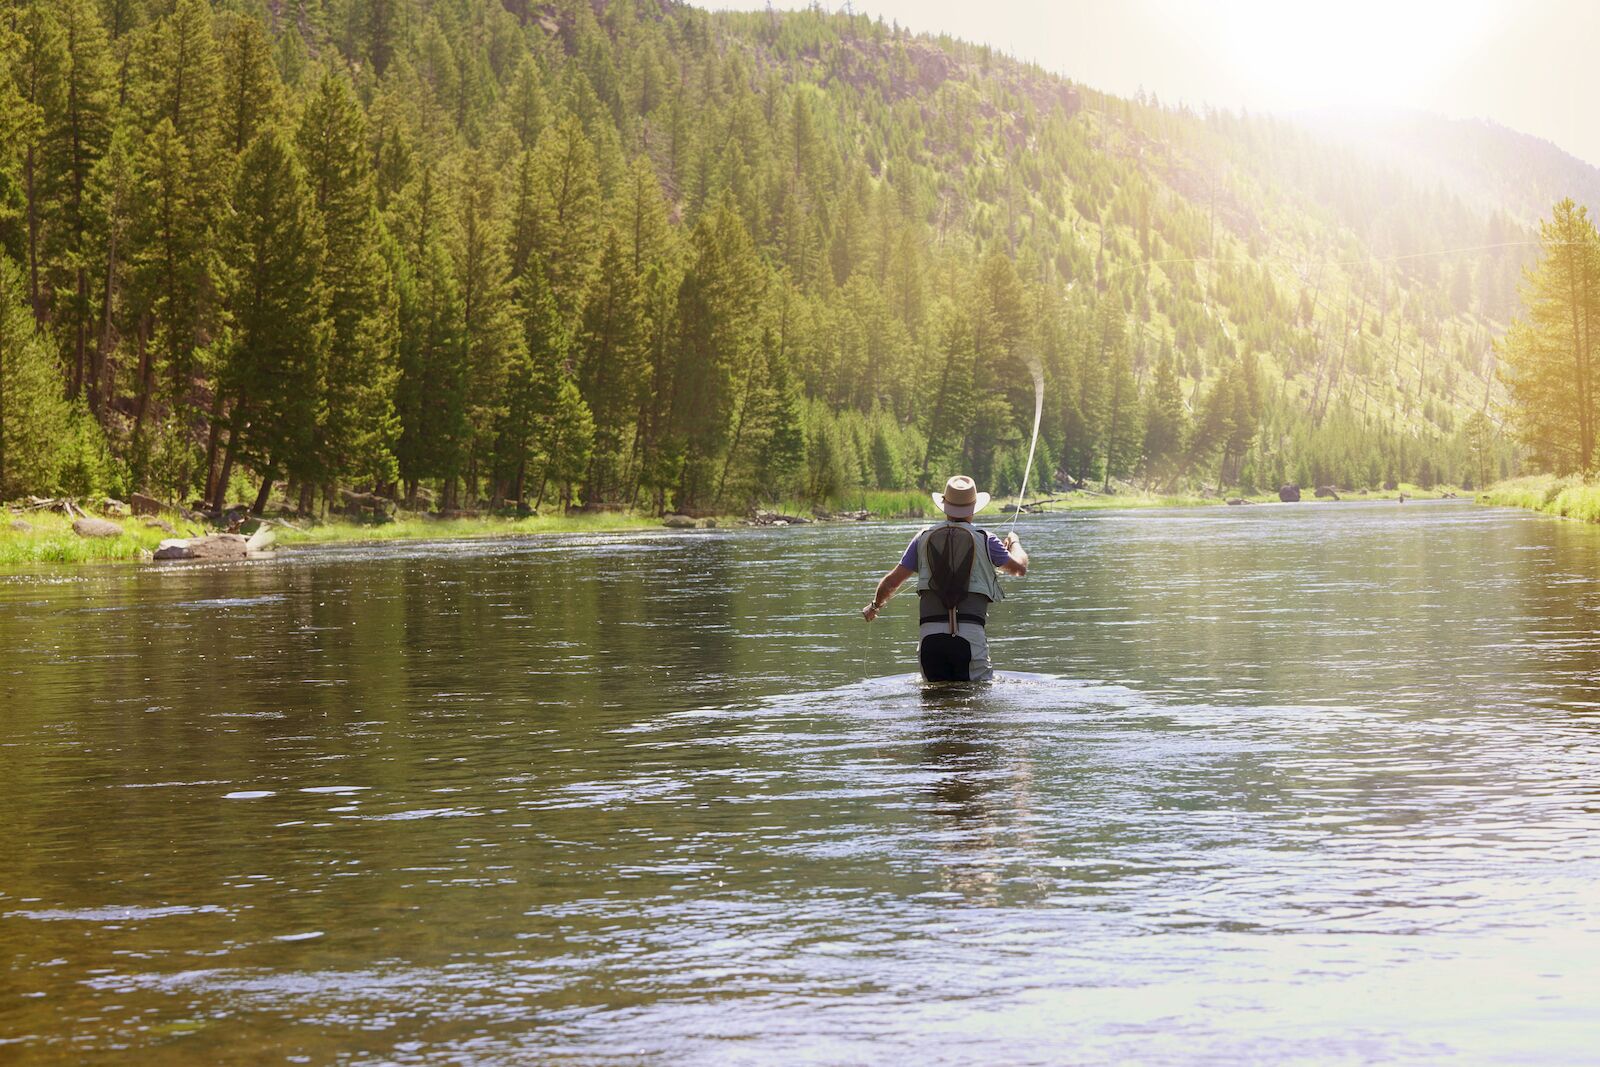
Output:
x=1569 y=498
x=48 y=536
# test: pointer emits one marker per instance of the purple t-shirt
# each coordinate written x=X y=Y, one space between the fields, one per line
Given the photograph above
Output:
x=998 y=555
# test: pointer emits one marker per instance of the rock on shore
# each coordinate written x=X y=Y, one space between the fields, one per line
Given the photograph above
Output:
x=223 y=546
x=89 y=526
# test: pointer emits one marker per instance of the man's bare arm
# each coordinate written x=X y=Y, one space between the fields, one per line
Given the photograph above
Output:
x=886 y=589
x=1018 y=564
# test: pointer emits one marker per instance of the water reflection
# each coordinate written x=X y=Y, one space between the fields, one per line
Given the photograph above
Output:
x=1291 y=783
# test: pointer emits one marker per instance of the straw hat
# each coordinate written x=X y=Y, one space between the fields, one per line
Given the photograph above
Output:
x=961 y=499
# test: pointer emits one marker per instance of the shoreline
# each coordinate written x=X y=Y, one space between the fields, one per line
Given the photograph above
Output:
x=50 y=540
x=1569 y=497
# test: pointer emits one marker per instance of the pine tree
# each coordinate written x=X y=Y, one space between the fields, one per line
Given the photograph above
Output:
x=172 y=268
x=718 y=338
x=490 y=316
x=359 y=427
x=1549 y=354
x=1123 y=431
x=611 y=364
x=1165 y=422
x=38 y=69
x=558 y=213
x=175 y=102
x=34 y=418
x=250 y=85
x=276 y=304
x=18 y=121
x=949 y=388
x=783 y=453
x=431 y=395
x=76 y=137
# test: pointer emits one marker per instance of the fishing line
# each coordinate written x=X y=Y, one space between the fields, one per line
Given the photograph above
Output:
x=1038 y=410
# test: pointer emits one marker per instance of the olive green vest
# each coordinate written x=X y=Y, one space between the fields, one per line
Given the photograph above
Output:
x=983 y=581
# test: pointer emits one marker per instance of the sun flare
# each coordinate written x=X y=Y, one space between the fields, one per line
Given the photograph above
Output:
x=1305 y=55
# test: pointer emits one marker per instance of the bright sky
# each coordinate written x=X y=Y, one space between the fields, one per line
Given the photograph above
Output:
x=1532 y=65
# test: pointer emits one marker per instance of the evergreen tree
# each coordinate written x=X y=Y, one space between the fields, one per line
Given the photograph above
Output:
x=718 y=336
x=431 y=394
x=250 y=85
x=34 y=417
x=490 y=326
x=1165 y=422
x=272 y=372
x=1123 y=431
x=1549 y=354
x=77 y=133
x=611 y=354
x=359 y=425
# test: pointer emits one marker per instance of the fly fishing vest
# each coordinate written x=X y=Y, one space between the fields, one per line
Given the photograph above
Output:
x=956 y=582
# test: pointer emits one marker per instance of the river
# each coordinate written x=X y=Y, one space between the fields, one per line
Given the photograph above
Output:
x=1291 y=782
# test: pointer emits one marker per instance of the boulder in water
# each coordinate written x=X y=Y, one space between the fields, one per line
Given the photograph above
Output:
x=216 y=546
x=173 y=548
x=1289 y=494
x=89 y=526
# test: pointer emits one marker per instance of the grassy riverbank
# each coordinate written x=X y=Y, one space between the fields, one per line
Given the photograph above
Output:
x=420 y=528
x=50 y=539
x=1570 y=498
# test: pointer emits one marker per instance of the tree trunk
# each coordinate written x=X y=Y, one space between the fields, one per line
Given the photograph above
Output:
x=219 y=493
x=142 y=402
x=266 y=492
x=97 y=361
x=33 y=237
x=213 y=438
x=80 y=345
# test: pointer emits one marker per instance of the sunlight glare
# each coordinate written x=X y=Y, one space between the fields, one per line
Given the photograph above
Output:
x=1317 y=55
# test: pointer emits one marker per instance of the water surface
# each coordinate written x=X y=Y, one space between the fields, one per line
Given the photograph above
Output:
x=1316 y=782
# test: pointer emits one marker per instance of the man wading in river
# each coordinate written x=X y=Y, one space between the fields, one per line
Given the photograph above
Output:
x=954 y=562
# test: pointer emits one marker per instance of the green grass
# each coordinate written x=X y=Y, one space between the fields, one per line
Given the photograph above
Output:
x=417 y=528
x=1570 y=497
x=52 y=541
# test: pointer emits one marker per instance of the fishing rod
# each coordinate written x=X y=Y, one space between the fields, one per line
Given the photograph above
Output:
x=1038 y=411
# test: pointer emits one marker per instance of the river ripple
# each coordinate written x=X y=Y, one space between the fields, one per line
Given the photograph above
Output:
x=1311 y=782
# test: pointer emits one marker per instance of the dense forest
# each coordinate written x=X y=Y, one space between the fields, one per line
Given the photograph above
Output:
x=631 y=253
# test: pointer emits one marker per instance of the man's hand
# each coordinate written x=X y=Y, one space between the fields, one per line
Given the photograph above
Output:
x=1018 y=565
x=886 y=587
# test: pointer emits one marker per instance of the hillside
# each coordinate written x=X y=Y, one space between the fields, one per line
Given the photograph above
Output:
x=1492 y=168
x=636 y=253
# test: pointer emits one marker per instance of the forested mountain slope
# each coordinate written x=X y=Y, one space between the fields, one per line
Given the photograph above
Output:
x=1489 y=166
x=633 y=252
